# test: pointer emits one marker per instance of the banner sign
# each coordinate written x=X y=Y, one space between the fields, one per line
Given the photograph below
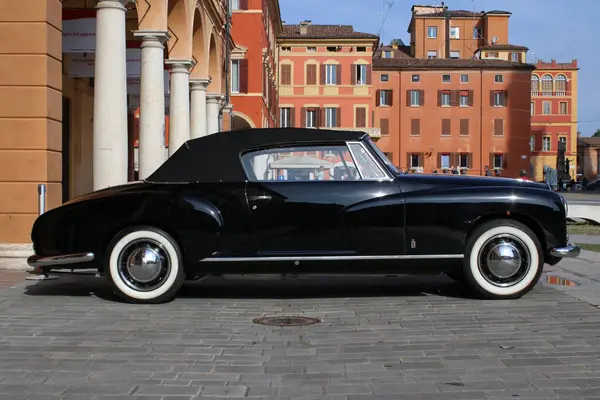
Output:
x=79 y=31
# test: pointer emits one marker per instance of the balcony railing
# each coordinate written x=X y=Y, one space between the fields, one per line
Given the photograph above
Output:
x=559 y=93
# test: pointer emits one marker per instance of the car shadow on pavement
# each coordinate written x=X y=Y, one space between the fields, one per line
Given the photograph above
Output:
x=270 y=287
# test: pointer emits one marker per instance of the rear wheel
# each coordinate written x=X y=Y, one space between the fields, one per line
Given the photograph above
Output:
x=504 y=259
x=145 y=265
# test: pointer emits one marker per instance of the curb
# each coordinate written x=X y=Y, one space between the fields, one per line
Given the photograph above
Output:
x=13 y=256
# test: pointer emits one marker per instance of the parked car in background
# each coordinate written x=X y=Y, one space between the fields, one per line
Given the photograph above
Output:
x=222 y=205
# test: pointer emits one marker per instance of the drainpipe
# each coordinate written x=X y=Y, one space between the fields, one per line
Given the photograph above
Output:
x=227 y=62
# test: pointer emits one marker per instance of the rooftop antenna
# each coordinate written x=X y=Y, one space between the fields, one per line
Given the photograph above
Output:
x=388 y=4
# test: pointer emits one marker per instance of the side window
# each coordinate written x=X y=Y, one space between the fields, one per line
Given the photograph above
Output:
x=368 y=168
x=300 y=163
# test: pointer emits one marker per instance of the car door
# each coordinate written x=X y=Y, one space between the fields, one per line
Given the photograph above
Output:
x=341 y=212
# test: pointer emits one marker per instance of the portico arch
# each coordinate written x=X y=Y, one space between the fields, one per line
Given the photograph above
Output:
x=241 y=121
x=199 y=44
x=179 y=17
x=214 y=64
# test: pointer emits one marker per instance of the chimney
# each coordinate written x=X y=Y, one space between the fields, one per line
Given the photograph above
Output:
x=304 y=27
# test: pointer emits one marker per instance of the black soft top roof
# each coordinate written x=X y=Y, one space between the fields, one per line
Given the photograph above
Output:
x=216 y=157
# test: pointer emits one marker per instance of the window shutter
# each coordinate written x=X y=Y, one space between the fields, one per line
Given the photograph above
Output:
x=453 y=159
x=369 y=72
x=439 y=97
x=470 y=98
x=311 y=74
x=470 y=160
x=491 y=98
x=338 y=117
x=421 y=159
x=505 y=99
x=454 y=98
x=384 y=125
x=498 y=127
x=243 y=76
x=464 y=127
x=504 y=160
x=338 y=74
x=439 y=160
x=408 y=98
x=322 y=118
x=445 y=126
x=286 y=74
x=303 y=117
x=491 y=161
x=408 y=160
x=353 y=74
x=377 y=98
x=293 y=117
x=421 y=97
x=415 y=126
x=243 y=4
x=389 y=95
x=323 y=73
x=361 y=117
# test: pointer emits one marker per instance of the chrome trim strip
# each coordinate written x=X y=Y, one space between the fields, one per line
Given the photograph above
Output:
x=40 y=261
x=568 y=251
x=368 y=151
x=333 y=258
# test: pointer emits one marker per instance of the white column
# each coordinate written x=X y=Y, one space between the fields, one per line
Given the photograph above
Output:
x=152 y=101
x=198 y=107
x=179 y=108
x=213 y=102
x=110 y=96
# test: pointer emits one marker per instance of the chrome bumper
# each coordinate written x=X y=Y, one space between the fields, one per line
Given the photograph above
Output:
x=568 y=251
x=57 y=261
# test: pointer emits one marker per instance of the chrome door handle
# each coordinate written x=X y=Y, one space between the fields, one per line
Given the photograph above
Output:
x=254 y=198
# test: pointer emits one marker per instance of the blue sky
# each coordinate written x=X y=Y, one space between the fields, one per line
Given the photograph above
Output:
x=559 y=29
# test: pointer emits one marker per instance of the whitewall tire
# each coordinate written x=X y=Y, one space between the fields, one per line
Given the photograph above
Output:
x=503 y=259
x=145 y=265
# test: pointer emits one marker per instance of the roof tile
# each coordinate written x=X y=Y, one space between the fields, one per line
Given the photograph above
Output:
x=325 y=31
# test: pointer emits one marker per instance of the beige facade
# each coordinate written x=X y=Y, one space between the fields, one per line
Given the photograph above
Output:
x=75 y=134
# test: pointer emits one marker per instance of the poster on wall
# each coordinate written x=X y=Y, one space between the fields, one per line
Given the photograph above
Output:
x=82 y=65
x=79 y=31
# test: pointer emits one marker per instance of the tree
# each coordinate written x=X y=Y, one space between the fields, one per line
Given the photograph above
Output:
x=597 y=133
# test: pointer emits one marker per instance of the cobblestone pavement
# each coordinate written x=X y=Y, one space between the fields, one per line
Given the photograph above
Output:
x=381 y=338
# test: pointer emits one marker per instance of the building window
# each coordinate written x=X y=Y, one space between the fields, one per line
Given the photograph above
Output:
x=514 y=57
x=463 y=161
x=499 y=98
x=361 y=49
x=415 y=161
x=476 y=33
x=535 y=85
x=532 y=108
x=498 y=78
x=235 y=4
x=498 y=161
x=332 y=48
x=547 y=83
x=387 y=54
x=464 y=99
x=455 y=54
x=311 y=118
x=330 y=74
x=454 y=32
x=384 y=126
x=416 y=78
x=415 y=127
x=311 y=49
x=532 y=143
x=331 y=117
x=547 y=108
x=385 y=98
x=361 y=74
x=285 y=118
x=464 y=127
x=445 y=78
x=235 y=76
x=360 y=117
x=286 y=74
x=384 y=78
x=286 y=48
x=562 y=108
x=563 y=139
x=546 y=146
x=561 y=85
x=446 y=127
x=432 y=54
x=432 y=32
x=464 y=78
x=498 y=127
x=444 y=161
x=445 y=101
x=415 y=98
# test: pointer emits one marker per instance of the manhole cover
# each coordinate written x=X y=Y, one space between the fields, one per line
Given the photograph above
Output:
x=289 y=320
x=560 y=281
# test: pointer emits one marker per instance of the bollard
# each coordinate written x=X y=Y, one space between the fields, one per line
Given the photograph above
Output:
x=42 y=198
x=41 y=209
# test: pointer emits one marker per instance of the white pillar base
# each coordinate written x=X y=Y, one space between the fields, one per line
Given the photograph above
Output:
x=110 y=145
x=213 y=103
x=199 y=126
x=152 y=101
x=179 y=116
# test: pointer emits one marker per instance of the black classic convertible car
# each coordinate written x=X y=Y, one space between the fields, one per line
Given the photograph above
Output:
x=303 y=201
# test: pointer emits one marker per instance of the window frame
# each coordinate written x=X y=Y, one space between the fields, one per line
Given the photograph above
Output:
x=235 y=76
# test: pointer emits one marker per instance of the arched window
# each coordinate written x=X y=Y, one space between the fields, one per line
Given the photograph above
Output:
x=561 y=85
x=535 y=85
x=547 y=85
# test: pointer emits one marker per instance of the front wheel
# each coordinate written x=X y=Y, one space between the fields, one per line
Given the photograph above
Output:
x=503 y=260
x=145 y=265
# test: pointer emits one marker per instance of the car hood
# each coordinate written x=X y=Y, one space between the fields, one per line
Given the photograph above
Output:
x=422 y=181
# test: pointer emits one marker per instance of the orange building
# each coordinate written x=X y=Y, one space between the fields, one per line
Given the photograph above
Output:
x=325 y=77
x=255 y=27
x=439 y=113
x=553 y=115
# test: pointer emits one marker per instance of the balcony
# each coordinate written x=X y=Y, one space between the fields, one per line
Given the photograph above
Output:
x=373 y=132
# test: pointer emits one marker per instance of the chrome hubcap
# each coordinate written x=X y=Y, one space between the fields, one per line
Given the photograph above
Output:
x=144 y=264
x=504 y=260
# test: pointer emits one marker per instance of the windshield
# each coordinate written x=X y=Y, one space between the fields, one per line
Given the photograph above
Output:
x=382 y=156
